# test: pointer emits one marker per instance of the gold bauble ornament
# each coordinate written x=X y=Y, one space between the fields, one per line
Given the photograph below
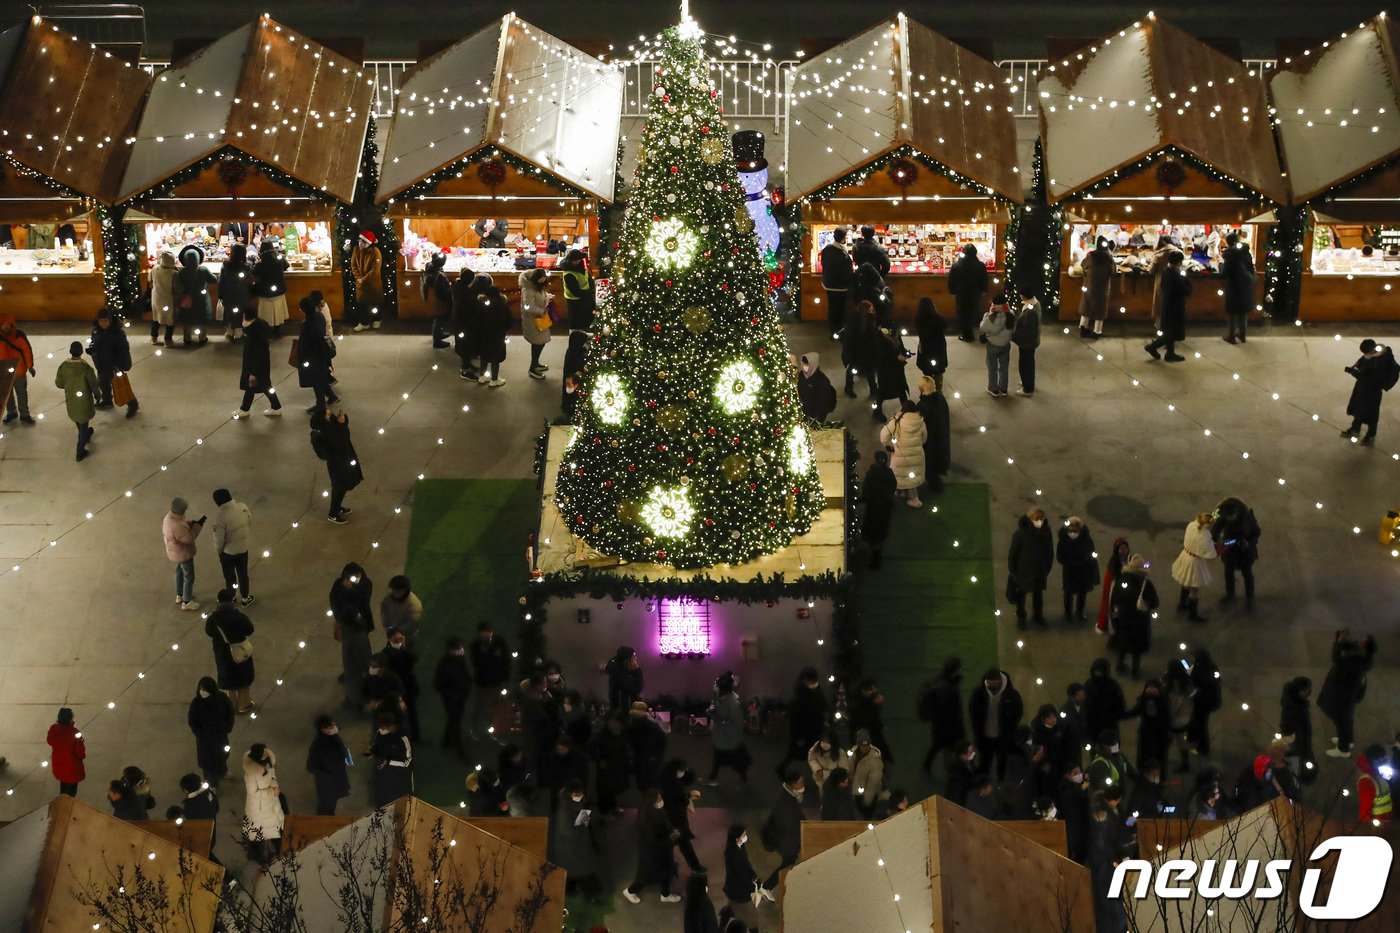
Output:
x=712 y=151
x=742 y=221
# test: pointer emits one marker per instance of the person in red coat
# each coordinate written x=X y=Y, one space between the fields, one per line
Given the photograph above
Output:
x=67 y=753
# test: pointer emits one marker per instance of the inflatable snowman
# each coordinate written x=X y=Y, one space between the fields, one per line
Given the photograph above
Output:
x=753 y=177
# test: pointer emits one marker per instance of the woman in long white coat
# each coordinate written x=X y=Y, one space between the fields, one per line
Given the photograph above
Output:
x=1192 y=566
x=904 y=435
x=534 y=316
x=262 y=810
x=163 y=297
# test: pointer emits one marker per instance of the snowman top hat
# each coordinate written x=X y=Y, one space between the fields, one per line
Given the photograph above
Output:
x=748 y=151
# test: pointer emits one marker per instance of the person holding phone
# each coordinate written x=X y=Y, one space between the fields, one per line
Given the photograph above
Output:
x=1236 y=534
x=180 y=534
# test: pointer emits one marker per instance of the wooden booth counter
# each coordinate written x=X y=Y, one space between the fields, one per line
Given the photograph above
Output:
x=1340 y=281
x=923 y=228
x=38 y=280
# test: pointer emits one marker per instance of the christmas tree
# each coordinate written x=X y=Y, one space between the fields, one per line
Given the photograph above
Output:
x=689 y=447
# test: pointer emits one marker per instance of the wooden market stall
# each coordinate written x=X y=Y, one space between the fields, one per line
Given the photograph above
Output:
x=66 y=852
x=950 y=870
x=1150 y=134
x=1338 y=122
x=509 y=129
x=66 y=107
x=904 y=130
x=258 y=135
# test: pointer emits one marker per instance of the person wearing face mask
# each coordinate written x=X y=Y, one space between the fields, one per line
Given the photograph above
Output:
x=401 y=609
x=824 y=757
x=962 y=770
x=1191 y=568
x=656 y=837
x=402 y=662
x=1104 y=703
x=1110 y=767
x=782 y=831
x=1028 y=564
x=807 y=715
x=574 y=718
x=995 y=710
x=1072 y=806
x=1079 y=566
x=740 y=880
x=210 y=718
x=815 y=390
x=572 y=843
x=328 y=760
x=727 y=731
x=393 y=761
x=453 y=682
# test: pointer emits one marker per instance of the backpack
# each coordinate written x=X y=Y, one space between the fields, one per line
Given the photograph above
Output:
x=1390 y=370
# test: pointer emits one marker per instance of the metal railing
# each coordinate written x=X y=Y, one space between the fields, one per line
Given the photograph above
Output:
x=748 y=90
x=1023 y=74
x=388 y=76
x=106 y=24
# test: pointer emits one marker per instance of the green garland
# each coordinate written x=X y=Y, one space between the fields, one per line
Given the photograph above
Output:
x=794 y=235
x=121 y=260
x=361 y=214
x=858 y=175
x=1037 y=229
x=1168 y=152
x=167 y=186
x=429 y=185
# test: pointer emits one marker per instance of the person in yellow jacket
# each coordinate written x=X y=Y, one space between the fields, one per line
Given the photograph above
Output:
x=366 y=266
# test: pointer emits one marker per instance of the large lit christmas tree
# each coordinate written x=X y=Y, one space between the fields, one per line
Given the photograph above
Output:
x=689 y=448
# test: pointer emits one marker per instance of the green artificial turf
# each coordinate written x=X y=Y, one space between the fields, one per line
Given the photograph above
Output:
x=466 y=560
x=922 y=607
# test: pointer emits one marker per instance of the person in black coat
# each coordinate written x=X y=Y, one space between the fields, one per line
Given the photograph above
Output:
x=838 y=275
x=1104 y=705
x=940 y=705
x=624 y=678
x=1074 y=720
x=611 y=753
x=381 y=689
x=1374 y=373
x=814 y=389
x=1205 y=677
x=938 y=444
x=807 y=715
x=878 y=492
x=838 y=803
x=867 y=711
x=393 y=761
x=1154 y=725
x=890 y=357
x=453 y=682
x=436 y=289
x=1345 y=687
x=270 y=274
x=490 y=322
x=330 y=440
x=256 y=377
x=782 y=832
x=870 y=286
x=1236 y=533
x=464 y=292
x=563 y=764
x=1237 y=269
x=490 y=663
x=1079 y=567
x=1295 y=723
x=314 y=353
x=1176 y=288
x=962 y=771
x=677 y=790
x=967 y=283
x=656 y=837
x=200 y=803
x=328 y=761
x=1049 y=734
x=403 y=662
x=740 y=880
x=858 y=346
x=1028 y=563
x=1134 y=601
x=210 y=718
x=236 y=291
x=227 y=626
x=867 y=249
x=932 y=331
x=354 y=619
x=487 y=795
x=995 y=710
x=648 y=744
x=111 y=354
x=1072 y=806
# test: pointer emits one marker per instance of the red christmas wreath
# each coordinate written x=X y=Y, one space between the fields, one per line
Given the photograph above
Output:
x=903 y=173
x=491 y=173
x=1170 y=175
x=233 y=173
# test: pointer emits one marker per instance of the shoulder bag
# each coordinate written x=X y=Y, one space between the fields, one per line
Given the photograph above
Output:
x=240 y=651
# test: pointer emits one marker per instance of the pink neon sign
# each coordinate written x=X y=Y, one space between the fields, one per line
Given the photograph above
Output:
x=685 y=627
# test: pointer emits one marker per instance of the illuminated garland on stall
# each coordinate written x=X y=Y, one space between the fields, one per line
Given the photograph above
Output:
x=887 y=161
x=689 y=299
x=1037 y=229
x=457 y=169
x=794 y=235
x=1151 y=160
x=1283 y=263
x=365 y=213
x=121 y=261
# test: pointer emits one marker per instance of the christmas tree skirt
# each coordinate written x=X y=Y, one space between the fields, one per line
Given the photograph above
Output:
x=463 y=566
x=922 y=606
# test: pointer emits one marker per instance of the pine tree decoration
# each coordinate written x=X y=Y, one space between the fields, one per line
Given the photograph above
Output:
x=689 y=448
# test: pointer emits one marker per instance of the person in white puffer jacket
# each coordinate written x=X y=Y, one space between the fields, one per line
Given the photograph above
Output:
x=233 y=528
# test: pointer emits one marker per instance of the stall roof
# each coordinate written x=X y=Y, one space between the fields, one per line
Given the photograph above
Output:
x=66 y=847
x=1338 y=108
x=66 y=107
x=516 y=88
x=1149 y=87
x=935 y=866
x=266 y=91
x=900 y=84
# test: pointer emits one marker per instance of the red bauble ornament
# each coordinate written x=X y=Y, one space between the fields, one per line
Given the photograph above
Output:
x=709 y=521
x=714 y=94
x=704 y=129
x=753 y=320
x=771 y=525
x=578 y=518
x=675 y=169
x=712 y=431
x=761 y=351
x=660 y=555
x=656 y=328
x=732 y=440
x=607 y=484
x=656 y=218
x=665 y=98
x=689 y=461
x=631 y=468
x=724 y=286
x=753 y=486
x=597 y=441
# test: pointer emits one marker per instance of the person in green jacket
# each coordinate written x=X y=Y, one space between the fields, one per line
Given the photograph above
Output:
x=78 y=381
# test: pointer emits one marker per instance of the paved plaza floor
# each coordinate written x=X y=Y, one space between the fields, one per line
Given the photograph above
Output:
x=1135 y=447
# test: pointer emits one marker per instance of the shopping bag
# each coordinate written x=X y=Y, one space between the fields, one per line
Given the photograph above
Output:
x=292 y=353
x=122 y=395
